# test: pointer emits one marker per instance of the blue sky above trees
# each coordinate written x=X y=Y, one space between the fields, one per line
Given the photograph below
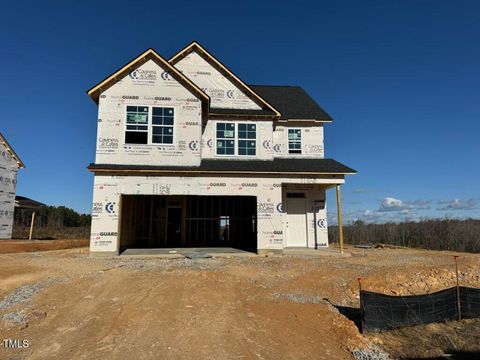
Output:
x=400 y=79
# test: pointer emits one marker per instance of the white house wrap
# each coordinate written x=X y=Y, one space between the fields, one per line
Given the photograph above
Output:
x=9 y=165
x=188 y=155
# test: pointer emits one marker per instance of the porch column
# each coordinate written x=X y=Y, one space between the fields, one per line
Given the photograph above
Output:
x=339 y=218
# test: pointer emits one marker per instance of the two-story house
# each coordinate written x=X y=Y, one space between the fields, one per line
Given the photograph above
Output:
x=189 y=155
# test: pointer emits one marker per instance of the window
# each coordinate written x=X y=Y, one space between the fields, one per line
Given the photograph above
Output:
x=137 y=125
x=242 y=142
x=294 y=141
x=225 y=139
x=247 y=134
x=162 y=125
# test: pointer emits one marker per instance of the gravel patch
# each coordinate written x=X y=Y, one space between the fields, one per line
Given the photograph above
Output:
x=15 y=317
x=24 y=294
x=21 y=295
x=210 y=264
x=300 y=298
x=373 y=352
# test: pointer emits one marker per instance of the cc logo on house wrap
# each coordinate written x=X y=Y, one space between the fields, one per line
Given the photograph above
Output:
x=280 y=207
x=231 y=94
x=277 y=148
x=109 y=208
x=193 y=145
x=209 y=143
x=165 y=75
x=322 y=223
x=134 y=74
x=267 y=144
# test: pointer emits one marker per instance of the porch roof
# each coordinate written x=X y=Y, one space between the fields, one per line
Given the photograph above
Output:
x=277 y=166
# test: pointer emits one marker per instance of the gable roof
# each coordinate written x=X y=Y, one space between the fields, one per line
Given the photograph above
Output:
x=149 y=54
x=26 y=203
x=10 y=150
x=292 y=102
x=200 y=50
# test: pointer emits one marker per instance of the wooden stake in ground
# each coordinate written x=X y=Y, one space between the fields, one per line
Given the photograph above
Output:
x=459 y=310
x=31 y=226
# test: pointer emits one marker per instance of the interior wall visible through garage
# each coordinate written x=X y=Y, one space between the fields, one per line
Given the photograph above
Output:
x=156 y=221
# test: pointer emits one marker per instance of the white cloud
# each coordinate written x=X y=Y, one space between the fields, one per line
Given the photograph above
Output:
x=395 y=210
x=457 y=204
x=392 y=204
x=371 y=216
x=390 y=210
x=420 y=204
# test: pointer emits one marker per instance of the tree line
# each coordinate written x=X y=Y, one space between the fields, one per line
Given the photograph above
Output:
x=52 y=216
x=52 y=222
x=433 y=234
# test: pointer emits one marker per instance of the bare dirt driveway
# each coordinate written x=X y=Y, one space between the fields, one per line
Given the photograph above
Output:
x=70 y=306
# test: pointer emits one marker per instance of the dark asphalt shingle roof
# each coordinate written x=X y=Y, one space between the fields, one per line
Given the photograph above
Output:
x=278 y=165
x=292 y=102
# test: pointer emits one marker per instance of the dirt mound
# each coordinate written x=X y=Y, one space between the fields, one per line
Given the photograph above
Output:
x=461 y=339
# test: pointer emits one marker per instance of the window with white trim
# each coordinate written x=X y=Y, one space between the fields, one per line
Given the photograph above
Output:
x=162 y=125
x=137 y=125
x=225 y=139
x=154 y=123
x=236 y=139
x=247 y=135
x=294 y=141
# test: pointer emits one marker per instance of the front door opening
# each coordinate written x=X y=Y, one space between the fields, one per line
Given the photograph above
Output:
x=155 y=221
x=296 y=219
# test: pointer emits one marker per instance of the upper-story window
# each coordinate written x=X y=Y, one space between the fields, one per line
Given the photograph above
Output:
x=247 y=135
x=137 y=125
x=294 y=141
x=141 y=126
x=236 y=139
x=225 y=139
x=162 y=125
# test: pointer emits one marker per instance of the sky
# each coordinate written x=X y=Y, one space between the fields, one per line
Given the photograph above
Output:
x=400 y=79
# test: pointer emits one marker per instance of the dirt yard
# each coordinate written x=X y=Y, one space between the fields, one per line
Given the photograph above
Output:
x=70 y=306
x=14 y=246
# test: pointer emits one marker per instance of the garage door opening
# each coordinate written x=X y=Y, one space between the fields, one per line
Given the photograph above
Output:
x=157 y=221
